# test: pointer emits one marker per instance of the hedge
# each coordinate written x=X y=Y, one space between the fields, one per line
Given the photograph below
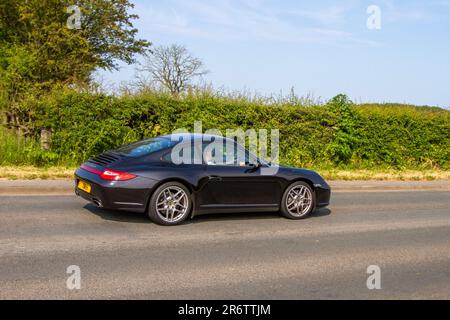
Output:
x=337 y=134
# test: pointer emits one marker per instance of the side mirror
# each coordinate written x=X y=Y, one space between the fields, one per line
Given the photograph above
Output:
x=254 y=166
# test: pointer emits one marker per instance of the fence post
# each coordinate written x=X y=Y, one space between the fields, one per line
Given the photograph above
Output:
x=46 y=139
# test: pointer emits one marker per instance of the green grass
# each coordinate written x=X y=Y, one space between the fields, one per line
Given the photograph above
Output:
x=15 y=150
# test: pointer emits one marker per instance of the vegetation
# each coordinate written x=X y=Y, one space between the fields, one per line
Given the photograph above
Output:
x=19 y=151
x=336 y=135
x=170 y=68
x=45 y=86
x=39 y=52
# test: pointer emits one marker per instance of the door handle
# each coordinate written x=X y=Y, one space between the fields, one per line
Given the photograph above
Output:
x=214 y=178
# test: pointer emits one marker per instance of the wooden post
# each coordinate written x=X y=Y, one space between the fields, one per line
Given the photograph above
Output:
x=5 y=119
x=46 y=139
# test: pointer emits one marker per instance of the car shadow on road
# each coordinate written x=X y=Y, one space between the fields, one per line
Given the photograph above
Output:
x=252 y=216
x=117 y=215
x=133 y=217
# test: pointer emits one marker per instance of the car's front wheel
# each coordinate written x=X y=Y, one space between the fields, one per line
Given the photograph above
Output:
x=170 y=204
x=298 y=201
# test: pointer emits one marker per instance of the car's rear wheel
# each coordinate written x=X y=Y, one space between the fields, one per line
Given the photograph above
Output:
x=170 y=204
x=298 y=201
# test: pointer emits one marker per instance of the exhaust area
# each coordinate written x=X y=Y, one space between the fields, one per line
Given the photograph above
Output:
x=97 y=202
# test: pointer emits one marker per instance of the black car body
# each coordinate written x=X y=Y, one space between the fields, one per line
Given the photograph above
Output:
x=212 y=188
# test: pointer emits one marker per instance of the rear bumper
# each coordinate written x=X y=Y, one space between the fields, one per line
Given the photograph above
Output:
x=95 y=199
x=129 y=195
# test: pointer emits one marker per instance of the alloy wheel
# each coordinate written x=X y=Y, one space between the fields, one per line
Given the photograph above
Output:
x=299 y=200
x=172 y=204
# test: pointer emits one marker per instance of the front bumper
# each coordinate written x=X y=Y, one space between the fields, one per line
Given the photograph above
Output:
x=323 y=192
x=323 y=195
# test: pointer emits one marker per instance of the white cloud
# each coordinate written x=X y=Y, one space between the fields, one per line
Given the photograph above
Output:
x=152 y=20
x=325 y=16
x=249 y=19
x=405 y=12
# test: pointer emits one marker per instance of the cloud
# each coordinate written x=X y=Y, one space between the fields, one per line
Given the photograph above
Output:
x=409 y=12
x=152 y=20
x=244 y=20
x=326 y=16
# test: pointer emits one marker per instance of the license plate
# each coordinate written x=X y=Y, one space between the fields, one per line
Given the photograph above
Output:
x=86 y=187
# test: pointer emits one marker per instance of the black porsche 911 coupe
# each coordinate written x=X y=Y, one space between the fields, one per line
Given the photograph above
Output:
x=145 y=177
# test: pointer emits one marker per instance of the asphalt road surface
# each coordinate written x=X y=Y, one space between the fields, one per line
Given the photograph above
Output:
x=248 y=256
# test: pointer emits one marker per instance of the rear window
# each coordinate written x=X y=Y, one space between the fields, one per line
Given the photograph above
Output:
x=146 y=147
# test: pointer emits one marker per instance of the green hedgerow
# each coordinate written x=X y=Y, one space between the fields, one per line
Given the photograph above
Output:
x=338 y=134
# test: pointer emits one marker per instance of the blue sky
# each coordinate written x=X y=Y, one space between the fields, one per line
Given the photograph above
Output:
x=319 y=47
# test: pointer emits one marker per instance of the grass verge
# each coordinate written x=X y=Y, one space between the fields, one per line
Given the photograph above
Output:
x=53 y=173
x=388 y=175
x=31 y=173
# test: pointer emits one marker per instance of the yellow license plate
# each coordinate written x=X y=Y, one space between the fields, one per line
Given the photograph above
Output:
x=86 y=187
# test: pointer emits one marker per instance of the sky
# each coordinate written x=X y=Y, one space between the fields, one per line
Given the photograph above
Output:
x=321 y=48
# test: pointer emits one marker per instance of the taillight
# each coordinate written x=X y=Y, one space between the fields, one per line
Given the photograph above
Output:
x=92 y=170
x=111 y=175
x=116 y=175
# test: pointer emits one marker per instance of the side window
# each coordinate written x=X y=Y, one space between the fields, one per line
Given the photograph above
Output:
x=181 y=157
x=244 y=157
x=225 y=153
x=167 y=157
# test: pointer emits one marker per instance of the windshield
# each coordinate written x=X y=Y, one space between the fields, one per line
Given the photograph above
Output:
x=146 y=147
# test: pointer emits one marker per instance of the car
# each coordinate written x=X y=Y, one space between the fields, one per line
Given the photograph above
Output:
x=148 y=177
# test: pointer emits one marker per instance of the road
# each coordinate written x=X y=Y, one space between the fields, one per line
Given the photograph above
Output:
x=248 y=256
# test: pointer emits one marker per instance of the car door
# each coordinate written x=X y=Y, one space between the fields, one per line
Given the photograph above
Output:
x=237 y=184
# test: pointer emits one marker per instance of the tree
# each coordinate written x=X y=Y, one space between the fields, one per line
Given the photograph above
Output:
x=39 y=51
x=170 y=67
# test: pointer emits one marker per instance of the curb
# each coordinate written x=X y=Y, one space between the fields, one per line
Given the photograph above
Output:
x=36 y=187
x=66 y=187
x=385 y=185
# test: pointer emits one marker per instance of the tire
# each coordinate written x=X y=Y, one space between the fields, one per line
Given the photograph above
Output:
x=295 y=209
x=170 y=204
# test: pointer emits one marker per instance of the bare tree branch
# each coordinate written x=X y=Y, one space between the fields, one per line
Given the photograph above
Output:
x=171 y=67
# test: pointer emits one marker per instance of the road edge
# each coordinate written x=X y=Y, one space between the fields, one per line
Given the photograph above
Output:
x=66 y=187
